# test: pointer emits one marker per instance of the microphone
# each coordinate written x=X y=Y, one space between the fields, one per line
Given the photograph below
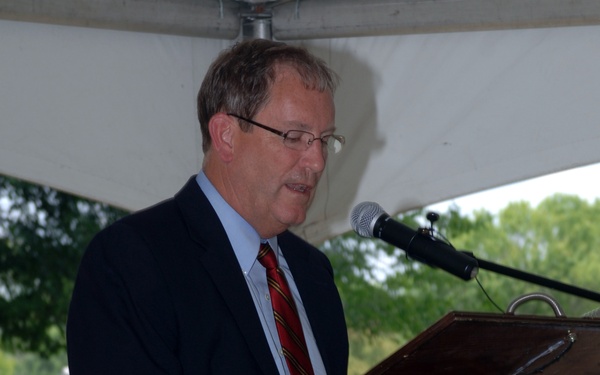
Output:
x=368 y=219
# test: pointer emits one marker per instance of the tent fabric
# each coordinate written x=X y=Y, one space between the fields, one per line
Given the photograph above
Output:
x=110 y=115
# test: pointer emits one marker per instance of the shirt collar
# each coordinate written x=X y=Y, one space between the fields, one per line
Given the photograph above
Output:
x=243 y=237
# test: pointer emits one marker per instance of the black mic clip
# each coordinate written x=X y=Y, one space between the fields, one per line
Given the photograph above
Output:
x=432 y=217
x=430 y=235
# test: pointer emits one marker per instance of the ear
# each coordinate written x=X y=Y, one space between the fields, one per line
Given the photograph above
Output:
x=221 y=131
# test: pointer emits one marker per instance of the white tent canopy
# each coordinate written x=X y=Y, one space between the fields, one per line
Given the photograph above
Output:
x=110 y=114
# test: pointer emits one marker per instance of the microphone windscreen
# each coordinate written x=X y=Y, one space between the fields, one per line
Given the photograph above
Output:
x=363 y=218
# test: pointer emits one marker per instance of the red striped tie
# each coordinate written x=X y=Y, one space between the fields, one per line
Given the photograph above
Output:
x=288 y=324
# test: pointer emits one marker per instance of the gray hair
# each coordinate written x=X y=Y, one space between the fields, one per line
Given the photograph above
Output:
x=240 y=79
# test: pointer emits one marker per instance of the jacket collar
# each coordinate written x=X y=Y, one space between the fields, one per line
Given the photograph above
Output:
x=216 y=256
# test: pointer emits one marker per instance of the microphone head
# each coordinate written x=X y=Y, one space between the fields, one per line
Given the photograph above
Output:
x=363 y=218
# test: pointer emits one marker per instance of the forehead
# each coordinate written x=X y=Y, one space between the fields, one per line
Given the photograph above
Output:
x=293 y=104
x=311 y=78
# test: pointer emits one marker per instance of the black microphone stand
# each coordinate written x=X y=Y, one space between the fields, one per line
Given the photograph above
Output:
x=514 y=273
x=539 y=280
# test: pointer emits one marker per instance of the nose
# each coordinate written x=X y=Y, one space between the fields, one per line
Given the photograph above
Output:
x=315 y=156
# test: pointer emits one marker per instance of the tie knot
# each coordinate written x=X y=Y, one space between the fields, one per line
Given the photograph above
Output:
x=266 y=256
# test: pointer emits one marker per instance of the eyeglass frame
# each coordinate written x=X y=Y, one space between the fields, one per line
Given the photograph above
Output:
x=340 y=138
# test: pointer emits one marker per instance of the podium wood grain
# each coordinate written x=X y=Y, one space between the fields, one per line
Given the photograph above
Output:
x=478 y=343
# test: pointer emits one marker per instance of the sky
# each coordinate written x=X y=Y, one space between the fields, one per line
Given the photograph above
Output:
x=583 y=182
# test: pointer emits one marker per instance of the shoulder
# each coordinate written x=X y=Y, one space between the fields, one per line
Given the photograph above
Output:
x=289 y=239
x=142 y=224
x=294 y=246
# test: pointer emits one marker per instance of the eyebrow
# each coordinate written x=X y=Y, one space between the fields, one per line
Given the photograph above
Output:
x=298 y=125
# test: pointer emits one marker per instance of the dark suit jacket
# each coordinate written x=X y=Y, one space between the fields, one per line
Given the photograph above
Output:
x=161 y=292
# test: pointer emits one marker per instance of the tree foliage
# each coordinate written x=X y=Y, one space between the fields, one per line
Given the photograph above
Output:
x=384 y=292
x=43 y=233
x=388 y=298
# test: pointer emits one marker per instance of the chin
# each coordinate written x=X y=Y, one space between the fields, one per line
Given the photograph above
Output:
x=293 y=216
x=296 y=221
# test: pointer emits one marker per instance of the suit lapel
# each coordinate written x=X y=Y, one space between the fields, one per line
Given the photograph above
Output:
x=216 y=256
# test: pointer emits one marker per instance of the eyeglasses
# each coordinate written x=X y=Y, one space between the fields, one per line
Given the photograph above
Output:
x=300 y=140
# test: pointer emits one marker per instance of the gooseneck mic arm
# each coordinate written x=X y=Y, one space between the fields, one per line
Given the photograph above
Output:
x=535 y=279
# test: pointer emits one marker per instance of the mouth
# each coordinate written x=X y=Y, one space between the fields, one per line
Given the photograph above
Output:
x=299 y=188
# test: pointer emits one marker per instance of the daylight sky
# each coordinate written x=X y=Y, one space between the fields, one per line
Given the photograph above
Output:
x=583 y=182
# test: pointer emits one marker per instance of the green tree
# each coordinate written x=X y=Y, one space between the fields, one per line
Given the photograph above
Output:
x=556 y=240
x=32 y=364
x=7 y=364
x=43 y=233
x=388 y=298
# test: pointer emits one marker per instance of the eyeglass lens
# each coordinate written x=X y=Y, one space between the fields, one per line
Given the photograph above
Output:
x=301 y=140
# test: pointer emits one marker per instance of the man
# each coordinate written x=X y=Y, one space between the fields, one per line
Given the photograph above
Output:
x=177 y=288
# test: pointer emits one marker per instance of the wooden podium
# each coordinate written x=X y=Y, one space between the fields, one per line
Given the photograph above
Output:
x=503 y=344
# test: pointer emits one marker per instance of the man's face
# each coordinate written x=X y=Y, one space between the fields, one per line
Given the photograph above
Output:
x=276 y=184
